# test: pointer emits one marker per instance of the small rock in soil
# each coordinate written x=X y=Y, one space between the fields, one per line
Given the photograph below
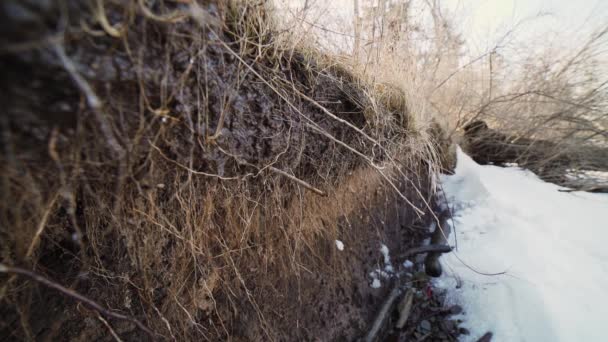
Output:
x=456 y=309
x=425 y=326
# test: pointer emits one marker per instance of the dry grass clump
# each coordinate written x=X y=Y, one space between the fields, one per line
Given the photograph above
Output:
x=169 y=161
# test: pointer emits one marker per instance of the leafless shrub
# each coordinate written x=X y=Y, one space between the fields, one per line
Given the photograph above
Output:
x=539 y=96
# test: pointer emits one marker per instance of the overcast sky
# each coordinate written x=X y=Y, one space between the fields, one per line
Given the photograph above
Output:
x=483 y=21
x=559 y=23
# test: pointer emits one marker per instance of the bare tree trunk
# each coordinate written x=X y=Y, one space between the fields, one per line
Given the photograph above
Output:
x=357 y=23
x=490 y=80
x=382 y=9
x=446 y=45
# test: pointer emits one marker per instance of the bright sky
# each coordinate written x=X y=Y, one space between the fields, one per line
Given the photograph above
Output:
x=482 y=22
x=558 y=23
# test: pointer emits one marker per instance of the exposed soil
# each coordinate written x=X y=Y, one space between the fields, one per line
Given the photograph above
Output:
x=160 y=201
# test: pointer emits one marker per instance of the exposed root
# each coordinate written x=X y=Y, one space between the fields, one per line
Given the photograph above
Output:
x=74 y=295
x=299 y=181
x=100 y=15
x=169 y=18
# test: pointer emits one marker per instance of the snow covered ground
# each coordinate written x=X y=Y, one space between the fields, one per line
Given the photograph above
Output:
x=552 y=245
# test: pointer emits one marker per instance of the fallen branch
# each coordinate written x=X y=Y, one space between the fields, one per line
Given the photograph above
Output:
x=72 y=294
x=383 y=314
x=404 y=308
x=426 y=249
x=593 y=189
x=41 y=226
x=487 y=337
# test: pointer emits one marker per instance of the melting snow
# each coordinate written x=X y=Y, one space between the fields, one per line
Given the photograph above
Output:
x=432 y=227
x=551 y=244
x=384 y=251
x=387 y=259
x=388 y=271
x=339 y=245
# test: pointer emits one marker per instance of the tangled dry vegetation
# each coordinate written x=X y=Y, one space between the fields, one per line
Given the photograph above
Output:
x=550 y=110
x=546 y=97
x=172 y=161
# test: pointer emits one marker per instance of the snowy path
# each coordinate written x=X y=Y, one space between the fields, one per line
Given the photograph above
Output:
x=553 y=246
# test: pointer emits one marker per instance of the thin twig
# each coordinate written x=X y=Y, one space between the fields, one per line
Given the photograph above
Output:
x=102 y=19
x=41 y=226
x=112 y=332
x=189 y=169
x=297 y=180
x=74 y=295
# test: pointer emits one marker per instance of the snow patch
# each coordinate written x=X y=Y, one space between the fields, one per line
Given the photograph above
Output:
x=387 y=259
x=339 y=245
x=551 y=245
x=386 y=273
x=384 y=251
x=432 y=227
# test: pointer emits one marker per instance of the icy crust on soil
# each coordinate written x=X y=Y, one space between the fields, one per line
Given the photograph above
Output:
x=552 y=246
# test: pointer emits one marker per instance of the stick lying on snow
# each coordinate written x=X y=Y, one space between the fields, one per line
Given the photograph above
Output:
x=487 y=337
x=74 y=295
x=426 y=249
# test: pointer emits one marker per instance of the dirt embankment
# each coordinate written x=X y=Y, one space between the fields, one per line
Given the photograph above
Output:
x=174 y=164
